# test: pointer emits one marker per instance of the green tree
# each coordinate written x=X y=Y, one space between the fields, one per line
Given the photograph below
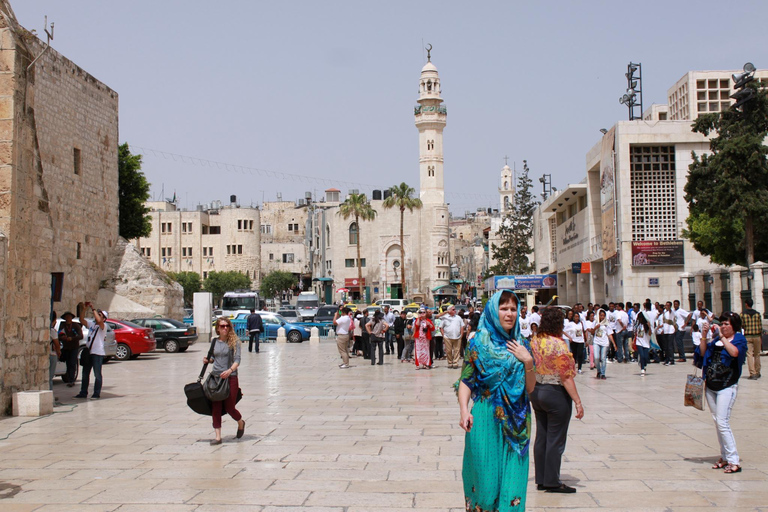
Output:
x=516 y=231
x=218 y=283
x=133 y=191
x=276 y=282
x=727 y=190
x=401 y=197
x=357 y=206
x=191 y=283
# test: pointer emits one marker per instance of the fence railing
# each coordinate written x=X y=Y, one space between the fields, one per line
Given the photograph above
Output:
x=241 y=329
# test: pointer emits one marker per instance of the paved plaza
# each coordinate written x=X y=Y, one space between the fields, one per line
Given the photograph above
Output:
x=364 y=439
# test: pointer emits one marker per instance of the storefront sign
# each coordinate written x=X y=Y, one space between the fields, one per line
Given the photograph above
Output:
x=657 y=253
x=581 y=268
x=528 y=282
x=352 y=282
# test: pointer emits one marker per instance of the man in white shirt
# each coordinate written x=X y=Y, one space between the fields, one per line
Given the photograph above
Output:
x=681 y=318
x=622 y=335
x=97 y=332
x=342 y=322
x=389 y=344
x=525 y=323
x=452 y=327
x=669 y=328
x=535 y=317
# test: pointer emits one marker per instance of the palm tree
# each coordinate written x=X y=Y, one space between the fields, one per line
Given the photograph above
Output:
x=357 y=206
x=400 y=196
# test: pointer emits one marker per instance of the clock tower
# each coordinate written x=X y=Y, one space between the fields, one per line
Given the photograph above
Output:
x=430 y=116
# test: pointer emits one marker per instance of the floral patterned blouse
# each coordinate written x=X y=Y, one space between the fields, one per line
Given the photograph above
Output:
x=554 y=361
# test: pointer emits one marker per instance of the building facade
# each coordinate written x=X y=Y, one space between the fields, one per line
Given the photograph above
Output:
x=333 y=240
x=58 y=197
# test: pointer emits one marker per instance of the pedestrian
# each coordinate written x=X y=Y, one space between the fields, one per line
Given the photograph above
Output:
x=452 y=329
x=55 y=353
x=358 y=347
x=408 y=337
x=753 y=330
x=603 y=338
x=255 y=326
x=342 y=322
x=552 y=400
x=642 y=336
x=94 y=358
x=364 y=319
x=437 y=346
x=723 y=358
x=497 y=376
x=422 y=334
x=70 y=334
x=681 y=319
x=669 y=327
x=576 y=328
x=226 y=360
x=623 y=336
x=589 y=334
x=377 y=331
x=525 y=323
x=389 y=340
x=399 y=329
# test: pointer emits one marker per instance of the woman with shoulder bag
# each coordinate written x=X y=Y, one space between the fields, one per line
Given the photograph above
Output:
x=226 y=360
x=723 y=358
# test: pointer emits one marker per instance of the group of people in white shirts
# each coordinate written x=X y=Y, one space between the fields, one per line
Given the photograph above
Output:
x=622 y=333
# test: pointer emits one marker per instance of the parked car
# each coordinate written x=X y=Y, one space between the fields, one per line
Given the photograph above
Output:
x=132 y=339
x=170 y=334
x=294 y=332
x=395 y=304
x=326 y=313
x=110 y=349
x=289 y=314
x=307 y=304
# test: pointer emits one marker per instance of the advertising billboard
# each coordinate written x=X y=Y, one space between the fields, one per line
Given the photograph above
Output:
x=657 y=253
x=528 y=282
x=607 y=190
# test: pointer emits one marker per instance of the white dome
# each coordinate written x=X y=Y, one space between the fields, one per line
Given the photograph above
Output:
x=428 y=67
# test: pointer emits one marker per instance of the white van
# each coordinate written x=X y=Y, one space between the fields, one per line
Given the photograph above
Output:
x=306 y=306
x=396 y=304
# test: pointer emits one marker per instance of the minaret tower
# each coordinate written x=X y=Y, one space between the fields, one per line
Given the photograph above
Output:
x=506 y=189
x=430 y=121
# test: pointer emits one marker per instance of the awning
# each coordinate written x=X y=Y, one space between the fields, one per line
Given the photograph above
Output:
x=323 y=279
x=457 y=281
x=445 y=290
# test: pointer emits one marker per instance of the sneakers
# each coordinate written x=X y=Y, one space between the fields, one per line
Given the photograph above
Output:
x=580 y=372
x=79 y=395
x=602 y=377
x=642 y=373
x=343 y=366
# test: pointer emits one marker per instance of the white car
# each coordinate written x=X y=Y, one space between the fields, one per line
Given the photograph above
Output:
x=110 y=348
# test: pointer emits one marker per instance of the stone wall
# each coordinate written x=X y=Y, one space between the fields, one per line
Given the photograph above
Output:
x=58 y=206
x=139 y=280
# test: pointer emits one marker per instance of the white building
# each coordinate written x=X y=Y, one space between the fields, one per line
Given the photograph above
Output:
x=426 y=230
x=625 y=219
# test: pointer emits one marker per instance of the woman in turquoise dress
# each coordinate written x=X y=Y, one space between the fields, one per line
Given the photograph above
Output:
x=497 y=375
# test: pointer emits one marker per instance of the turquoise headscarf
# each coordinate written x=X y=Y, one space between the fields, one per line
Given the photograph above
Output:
x=492 y=373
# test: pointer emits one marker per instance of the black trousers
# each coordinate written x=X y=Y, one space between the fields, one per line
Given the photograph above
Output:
x=71 y=360
x=578 y=354
x=389 y=342
x=668 y=347
x=377 y=344
x=552 y=407
x=253 y=336
x=439 y=347
x=400 y=345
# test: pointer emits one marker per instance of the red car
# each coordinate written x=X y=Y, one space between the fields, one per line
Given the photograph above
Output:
x=131 y=339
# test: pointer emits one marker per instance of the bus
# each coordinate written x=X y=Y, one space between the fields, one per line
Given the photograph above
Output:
x=242 y=301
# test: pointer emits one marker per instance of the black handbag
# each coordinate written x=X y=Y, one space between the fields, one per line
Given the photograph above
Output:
x=216 y=388
x=195 y=393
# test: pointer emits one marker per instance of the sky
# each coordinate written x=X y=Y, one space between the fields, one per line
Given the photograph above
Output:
x=256 y=98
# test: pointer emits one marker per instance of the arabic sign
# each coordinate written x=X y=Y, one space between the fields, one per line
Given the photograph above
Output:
x=657 y=253
x=528 y=282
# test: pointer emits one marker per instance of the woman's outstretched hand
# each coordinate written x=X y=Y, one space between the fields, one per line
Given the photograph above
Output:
x=520 y=352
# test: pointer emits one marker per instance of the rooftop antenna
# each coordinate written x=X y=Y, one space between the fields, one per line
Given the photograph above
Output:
x=49 y=36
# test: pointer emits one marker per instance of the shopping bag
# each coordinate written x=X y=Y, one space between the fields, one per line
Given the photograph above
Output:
x=694 y=391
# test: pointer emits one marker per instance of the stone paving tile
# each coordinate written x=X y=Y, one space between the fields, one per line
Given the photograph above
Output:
x=383 y=439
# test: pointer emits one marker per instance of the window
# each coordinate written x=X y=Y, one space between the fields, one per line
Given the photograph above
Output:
x=210 y=251
x=288 y=257
x=186 y=227
x=239 y=249
x=186 y=252
x=431 y=170
x=214 y=230
x=327 y=236
x=146 y=252
x=430 y=145
x=653 y=192
x=205 y=274
x=229 y=249
x=239 y=224
x=293 y=227
x=266 y=229
x=166 y=227
x=166 y=252
x=353 y=233
x=350 y=262
x=271 y=257
x=328 y=264
x=79 y=251
x=183 y=251
x=77 y=161
x=205 y=251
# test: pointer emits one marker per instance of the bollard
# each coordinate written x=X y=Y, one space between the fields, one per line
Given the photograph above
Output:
x=32 y=403
x=314 y=336
x=281 y=336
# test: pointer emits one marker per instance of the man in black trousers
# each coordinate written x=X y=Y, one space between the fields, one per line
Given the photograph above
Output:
x=255 y=326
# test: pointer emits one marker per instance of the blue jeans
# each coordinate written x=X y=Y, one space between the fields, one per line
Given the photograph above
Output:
x=52 y=369
x=643 y=357
x=94 y=362
x=622 y=345
x=601 y=357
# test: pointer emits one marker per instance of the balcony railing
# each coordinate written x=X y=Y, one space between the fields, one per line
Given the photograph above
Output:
x=439 y=109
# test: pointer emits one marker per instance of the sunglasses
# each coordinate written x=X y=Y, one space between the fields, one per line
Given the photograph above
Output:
x=223 y=326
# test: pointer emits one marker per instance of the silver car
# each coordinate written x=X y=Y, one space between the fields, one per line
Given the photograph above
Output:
x=110 y=348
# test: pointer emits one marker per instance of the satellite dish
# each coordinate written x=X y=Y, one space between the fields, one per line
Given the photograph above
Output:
x=749 y=67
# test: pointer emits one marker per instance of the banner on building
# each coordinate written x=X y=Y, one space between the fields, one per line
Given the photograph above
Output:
x=352 y=282
x=607 y=193
x=581 y=268
x=527 y=282
x=657 y=253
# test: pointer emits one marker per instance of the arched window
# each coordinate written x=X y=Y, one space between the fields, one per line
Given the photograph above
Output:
x=506 y=185
x=506 y=202
x=353 y=233
x=327 y=235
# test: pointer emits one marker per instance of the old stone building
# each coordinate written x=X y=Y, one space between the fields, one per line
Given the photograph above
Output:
x=283 y=239
x=211 y=238
x=58 y=196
